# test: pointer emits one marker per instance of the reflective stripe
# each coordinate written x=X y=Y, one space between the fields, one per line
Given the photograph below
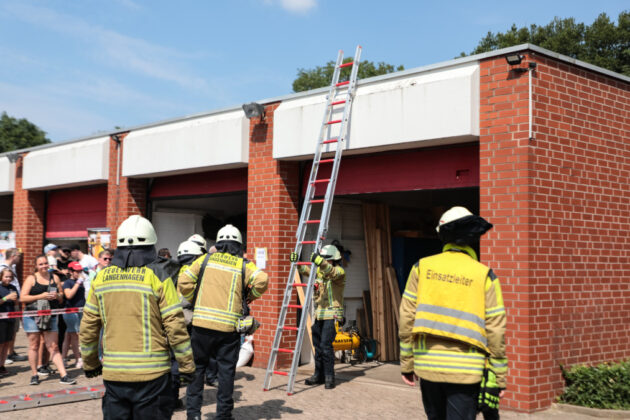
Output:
x=255 y=293
x=449 y=328
x=405 y=349
x=495 y=311
x=232 y=323
x=90 y=308
x=183 y=348
x=146 y=324
x=191 y=275
x=253 y=277
x=136 y=365
x=437 y=354
x=439 y=310
x=219 y=312
x=233 y=291
x=411 y=296
x=133 y=355
x=89 y=348
x=224 y=267
x=171 y=308
x=454 y=368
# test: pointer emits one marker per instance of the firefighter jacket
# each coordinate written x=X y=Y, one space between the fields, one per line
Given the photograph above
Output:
x=329 y=286
x=219 y=300
x=141 y=317
x=452 y=319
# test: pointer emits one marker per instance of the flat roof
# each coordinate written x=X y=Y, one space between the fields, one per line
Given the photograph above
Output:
x=441 y=65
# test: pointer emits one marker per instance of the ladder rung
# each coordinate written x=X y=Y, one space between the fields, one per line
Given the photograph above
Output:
x=343 y=101
x=300 y=284
x=333 y=122
x=294 y=306
x=326 y=160
x=310 y=242
x=290 y=328
x=343 y=83
x=330 y=141
x=285 y=350
x=279 y=372
x=315 y=202
x=346 y=64
x=319 y=181
x=313 y=221
x=303 y=263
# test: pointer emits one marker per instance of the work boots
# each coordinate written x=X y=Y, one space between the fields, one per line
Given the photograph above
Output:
x=316 y=379
x=329 y=382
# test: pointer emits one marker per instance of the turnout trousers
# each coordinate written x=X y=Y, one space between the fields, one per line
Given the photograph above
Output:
x=446 y=401
x=138 y=400
x=324 y=333
x=224 y=348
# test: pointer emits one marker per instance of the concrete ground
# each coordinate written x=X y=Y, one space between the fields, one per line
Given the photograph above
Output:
x=367 y=391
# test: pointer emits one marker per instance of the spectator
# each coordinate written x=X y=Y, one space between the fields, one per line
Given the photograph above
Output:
x=86 y=261
x=64 y=257
x=41 y=290
x=104 y=259
x=52 y=253
x=9 y=296
x=75 y=298
x=12 y=258
x=164 y=253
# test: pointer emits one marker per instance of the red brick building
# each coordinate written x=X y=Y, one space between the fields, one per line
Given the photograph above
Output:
x=542 y=151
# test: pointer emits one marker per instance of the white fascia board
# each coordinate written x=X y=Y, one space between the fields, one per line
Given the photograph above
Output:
x=67 y=165
x=218 y=141
x=7 y=176
x=433 y=107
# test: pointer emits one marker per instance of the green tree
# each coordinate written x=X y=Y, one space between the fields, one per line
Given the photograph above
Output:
x=602 y=43
x=18 y=134
x=308 y=79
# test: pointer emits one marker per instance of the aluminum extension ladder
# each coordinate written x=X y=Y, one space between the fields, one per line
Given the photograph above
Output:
x=41 y=399
x=340 y=94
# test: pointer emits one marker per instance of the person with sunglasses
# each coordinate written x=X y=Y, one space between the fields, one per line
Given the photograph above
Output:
x=104 y=259
x=75 y=298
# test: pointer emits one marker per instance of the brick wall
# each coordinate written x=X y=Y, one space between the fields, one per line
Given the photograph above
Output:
x=125 y=196
x=272 y=194
x=28 y=221
x=560 y=207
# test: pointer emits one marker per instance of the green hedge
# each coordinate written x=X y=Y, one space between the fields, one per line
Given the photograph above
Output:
x=604 y=386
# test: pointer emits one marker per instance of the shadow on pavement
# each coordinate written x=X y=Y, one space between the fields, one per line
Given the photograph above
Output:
x=270 y=409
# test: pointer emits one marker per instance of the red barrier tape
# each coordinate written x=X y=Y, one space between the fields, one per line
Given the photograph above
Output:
x=21 y=314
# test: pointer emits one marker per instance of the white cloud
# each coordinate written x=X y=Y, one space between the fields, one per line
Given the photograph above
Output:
x=294 y=6
x=299 y=6
x=111 y=47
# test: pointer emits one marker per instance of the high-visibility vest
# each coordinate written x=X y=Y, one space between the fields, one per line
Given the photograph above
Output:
x=451 y=298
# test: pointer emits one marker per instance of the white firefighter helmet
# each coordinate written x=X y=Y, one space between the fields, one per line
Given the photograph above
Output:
x=452 y=214
x=330 y=252
x=198 y=239
x=229 y=233
x=136 y=230
x=189 y=248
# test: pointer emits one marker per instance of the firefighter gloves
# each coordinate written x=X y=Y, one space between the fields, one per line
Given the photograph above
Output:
x=489 y=392
x=293 y=257
x=316 y=259
x=94 y=372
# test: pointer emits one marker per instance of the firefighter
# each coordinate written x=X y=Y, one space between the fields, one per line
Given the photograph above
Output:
x=135 y=305
x=452 y=322
x=328 y=298
x=218 y=308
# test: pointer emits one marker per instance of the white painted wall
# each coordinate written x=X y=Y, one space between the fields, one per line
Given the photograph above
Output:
x=7 y=176
x=441 y=106
x=173 y=228
x=217 y=141
x=73 y=164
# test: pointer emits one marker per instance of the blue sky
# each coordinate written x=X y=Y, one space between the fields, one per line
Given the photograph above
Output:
x=77 y=68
